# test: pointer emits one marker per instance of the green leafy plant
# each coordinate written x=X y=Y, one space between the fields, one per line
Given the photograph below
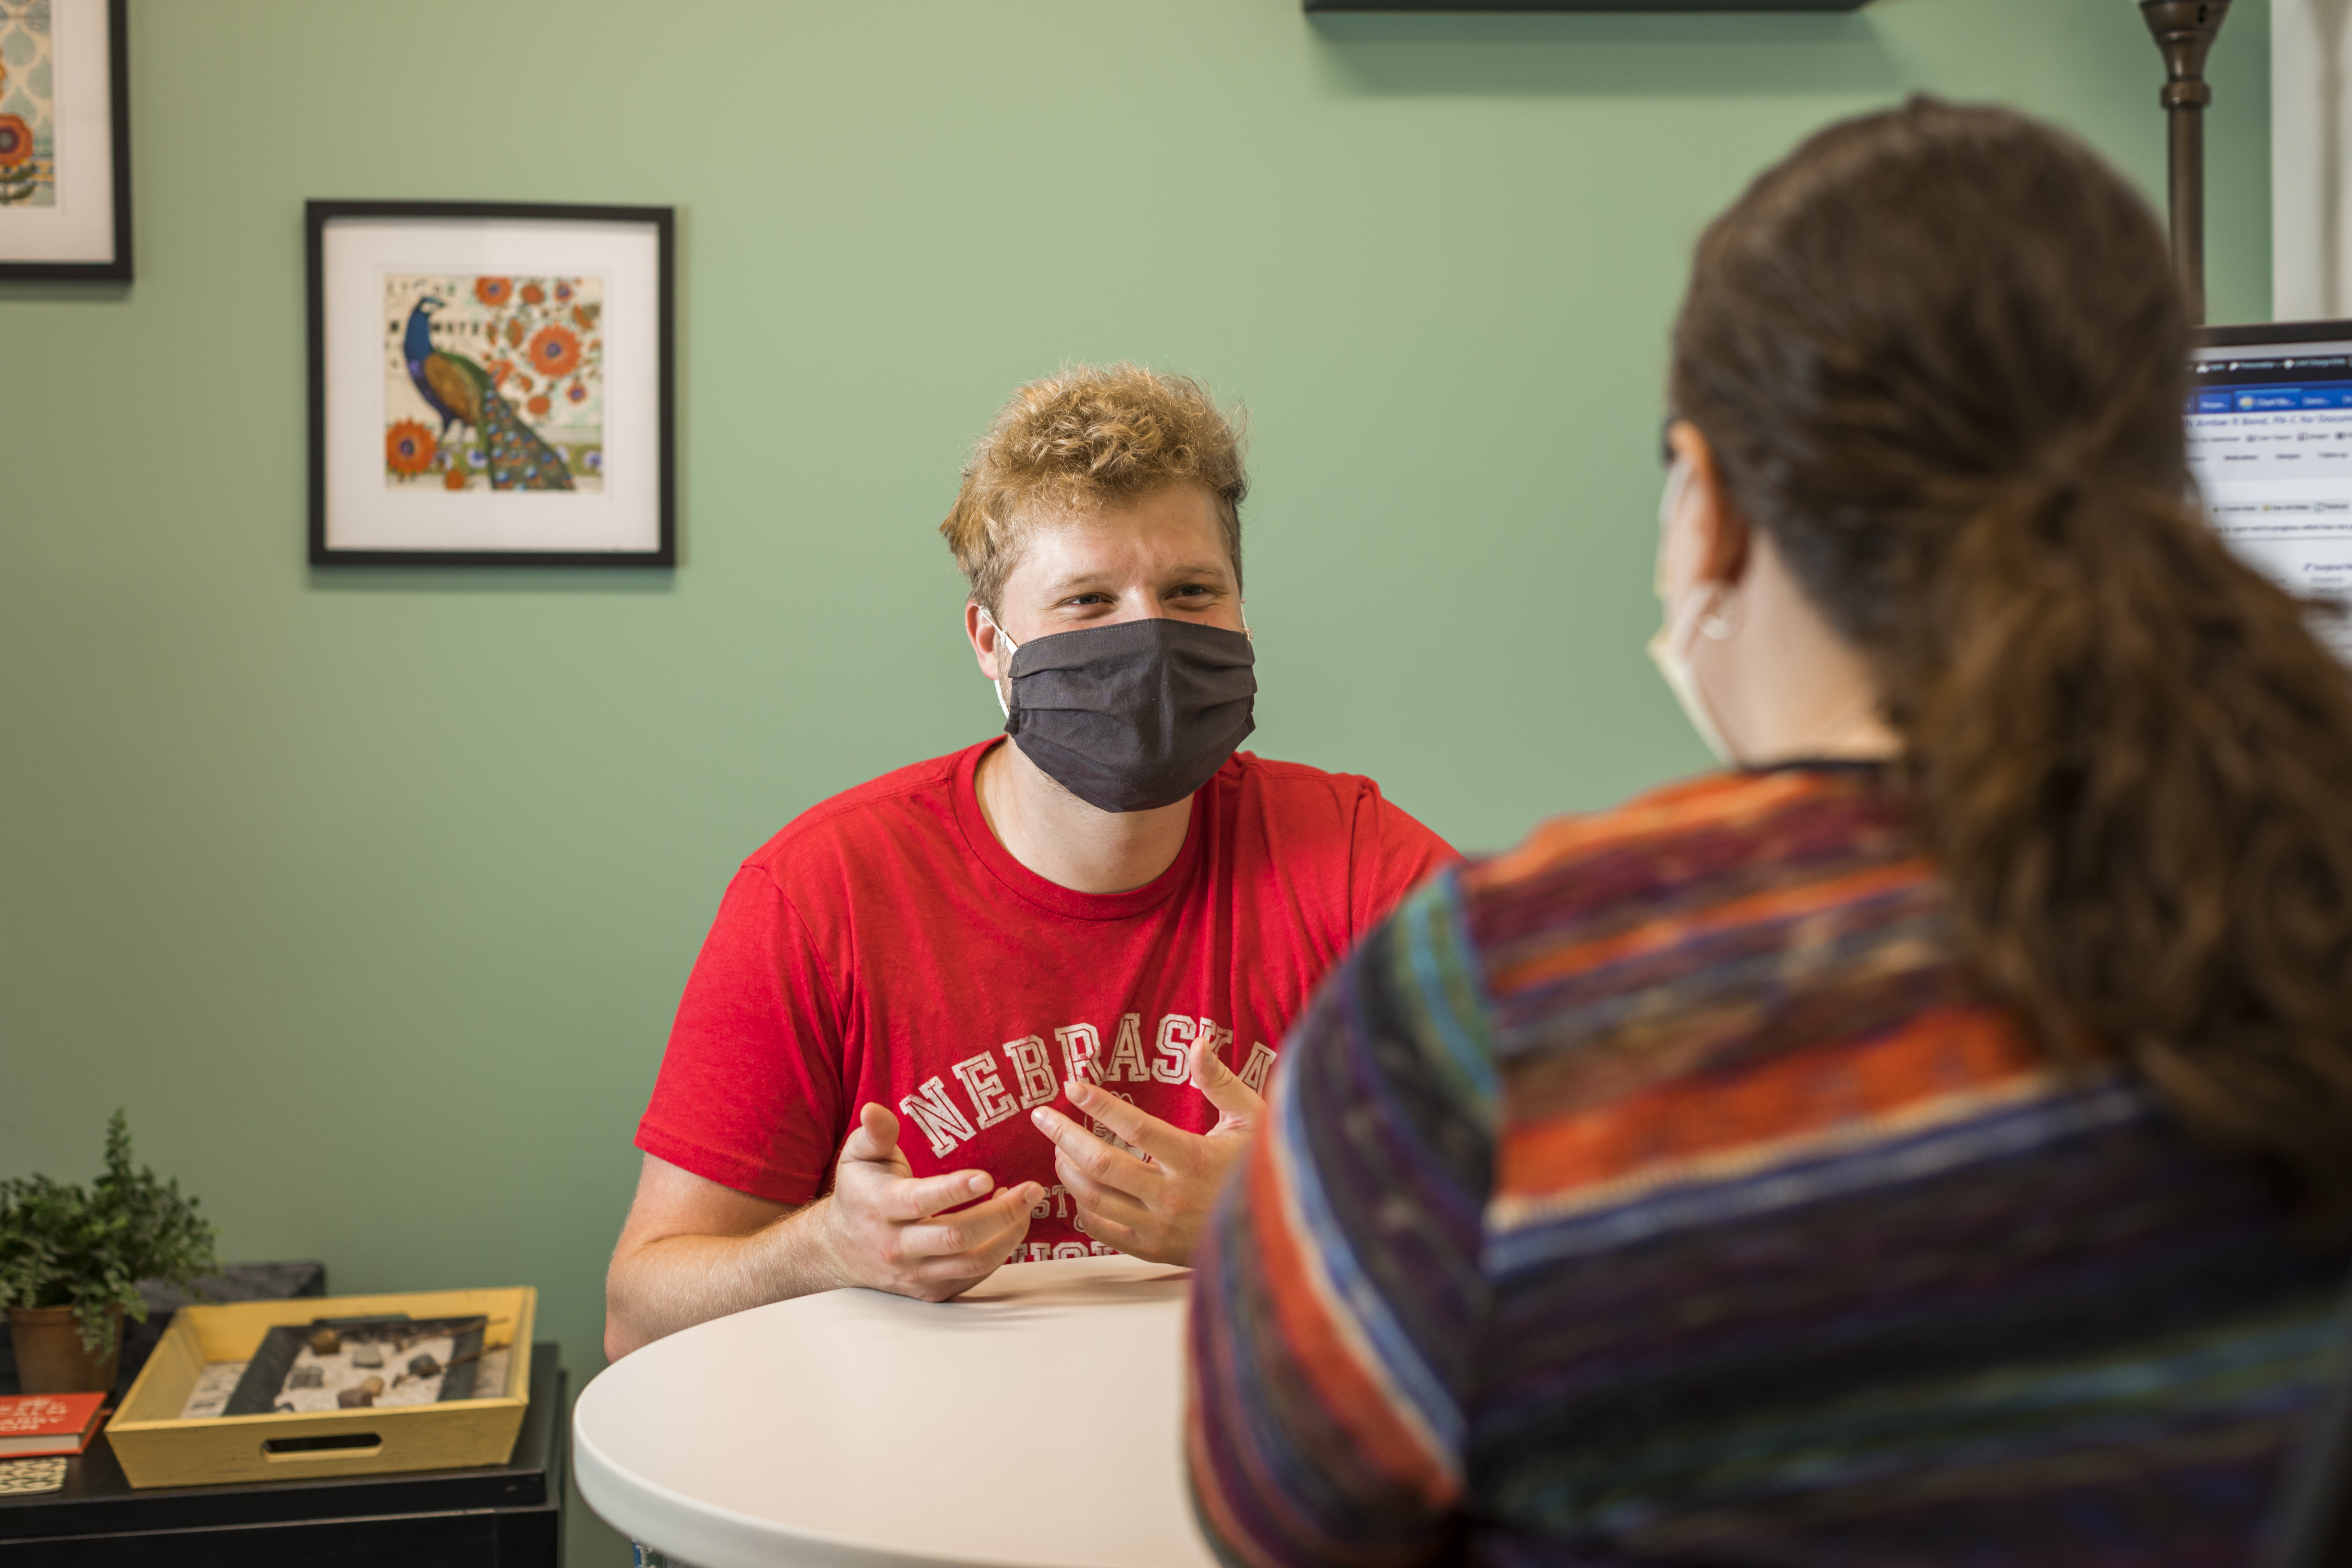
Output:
x=63 y=1246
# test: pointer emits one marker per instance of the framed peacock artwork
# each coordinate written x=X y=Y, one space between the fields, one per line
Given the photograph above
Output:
x=490 y=384
x=65 y=139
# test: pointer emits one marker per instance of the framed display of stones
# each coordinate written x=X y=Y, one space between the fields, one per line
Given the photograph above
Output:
x=65 y=139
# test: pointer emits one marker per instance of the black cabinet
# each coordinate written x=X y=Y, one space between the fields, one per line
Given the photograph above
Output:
x=496 y=1516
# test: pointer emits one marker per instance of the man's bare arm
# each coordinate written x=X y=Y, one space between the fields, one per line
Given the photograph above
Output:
x=692 y=1251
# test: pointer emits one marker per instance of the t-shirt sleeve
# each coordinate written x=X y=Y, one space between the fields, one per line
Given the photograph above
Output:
x=750 y=1093
x=1338 y=1296
x=1391 y=855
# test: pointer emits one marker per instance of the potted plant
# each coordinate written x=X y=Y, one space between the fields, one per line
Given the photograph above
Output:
x=70 y=1262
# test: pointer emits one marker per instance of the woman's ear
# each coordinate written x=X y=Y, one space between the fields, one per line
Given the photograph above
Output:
x=1718 y=542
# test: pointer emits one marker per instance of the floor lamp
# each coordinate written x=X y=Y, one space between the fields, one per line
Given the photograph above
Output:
x=2185 y=31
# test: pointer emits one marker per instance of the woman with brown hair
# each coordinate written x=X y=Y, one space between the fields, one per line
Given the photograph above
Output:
x=1928 y=1139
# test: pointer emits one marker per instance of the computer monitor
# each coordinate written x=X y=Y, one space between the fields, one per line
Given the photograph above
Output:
x=2269 y=441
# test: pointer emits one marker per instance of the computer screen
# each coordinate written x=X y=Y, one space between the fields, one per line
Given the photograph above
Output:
x=2269 y=441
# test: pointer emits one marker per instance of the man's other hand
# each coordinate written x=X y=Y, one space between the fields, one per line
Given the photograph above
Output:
x=1154 y=1207
x=885 y=1228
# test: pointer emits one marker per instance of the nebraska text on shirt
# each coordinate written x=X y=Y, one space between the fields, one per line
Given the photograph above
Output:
x=1030 y=1068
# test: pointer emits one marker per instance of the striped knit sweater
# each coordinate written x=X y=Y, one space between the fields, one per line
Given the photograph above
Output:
x=1666 y=1191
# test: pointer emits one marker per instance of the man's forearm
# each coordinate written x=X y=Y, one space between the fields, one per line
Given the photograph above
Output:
x=656 y=1288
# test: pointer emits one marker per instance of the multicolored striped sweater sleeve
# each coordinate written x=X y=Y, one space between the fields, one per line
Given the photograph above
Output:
x=1666 y=1191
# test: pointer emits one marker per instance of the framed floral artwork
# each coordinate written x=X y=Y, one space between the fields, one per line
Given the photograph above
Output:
x=65 y=139
x=490 y=384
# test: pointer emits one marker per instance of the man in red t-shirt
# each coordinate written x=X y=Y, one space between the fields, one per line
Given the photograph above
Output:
x=1018 y=1002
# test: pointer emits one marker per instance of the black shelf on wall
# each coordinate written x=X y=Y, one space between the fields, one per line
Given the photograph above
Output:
x=1646 y=7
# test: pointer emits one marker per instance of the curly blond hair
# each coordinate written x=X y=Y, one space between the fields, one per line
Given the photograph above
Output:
x=1093 y=437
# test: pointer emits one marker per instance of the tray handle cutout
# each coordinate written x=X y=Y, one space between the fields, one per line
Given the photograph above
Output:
x=342 y=1445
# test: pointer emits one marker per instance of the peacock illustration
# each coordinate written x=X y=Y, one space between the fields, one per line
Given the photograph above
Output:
x=462 y=392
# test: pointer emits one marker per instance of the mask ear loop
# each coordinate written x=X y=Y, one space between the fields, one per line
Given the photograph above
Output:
x=1669 y=503
x=1003 y=684
x=1712 y=624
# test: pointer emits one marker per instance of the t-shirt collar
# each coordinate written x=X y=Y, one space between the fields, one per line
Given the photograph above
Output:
x=1051 y=895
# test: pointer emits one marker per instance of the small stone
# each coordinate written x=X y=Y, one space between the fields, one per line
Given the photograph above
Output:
x=308 y=1377
x=423 y=1366
x=367 y=1356
x=364 y=1394
x=325 y=1341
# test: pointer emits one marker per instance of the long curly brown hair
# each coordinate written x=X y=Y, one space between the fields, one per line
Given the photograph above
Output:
x=1941 y=361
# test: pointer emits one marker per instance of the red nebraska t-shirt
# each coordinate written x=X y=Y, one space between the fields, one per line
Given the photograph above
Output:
x=886 y=947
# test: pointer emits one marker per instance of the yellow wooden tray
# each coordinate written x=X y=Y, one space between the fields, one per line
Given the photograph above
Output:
x=156 y=1448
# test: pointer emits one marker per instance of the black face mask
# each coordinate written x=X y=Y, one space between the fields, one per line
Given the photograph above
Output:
x=1133 y=716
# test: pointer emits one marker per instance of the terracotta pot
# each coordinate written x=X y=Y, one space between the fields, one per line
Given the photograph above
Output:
x=49 y=1355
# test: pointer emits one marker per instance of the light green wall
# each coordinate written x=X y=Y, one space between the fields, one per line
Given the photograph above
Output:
x=370 y=893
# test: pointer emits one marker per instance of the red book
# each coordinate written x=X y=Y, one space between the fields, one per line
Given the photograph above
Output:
x=33 y=1424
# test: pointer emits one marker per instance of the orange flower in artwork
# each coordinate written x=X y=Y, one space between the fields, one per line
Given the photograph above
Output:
x=408 y=447
x=454 y=479
x=494 y=292
x=533 y=294
x=499 y=369
x=514 y=334
x=16 y=141
x=554 y=351
x=540 y=405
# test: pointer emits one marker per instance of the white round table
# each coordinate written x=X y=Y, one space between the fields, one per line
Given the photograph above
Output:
x=1033 y=1421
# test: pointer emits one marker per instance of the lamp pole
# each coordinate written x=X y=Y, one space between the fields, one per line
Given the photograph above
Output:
x=2184 y=31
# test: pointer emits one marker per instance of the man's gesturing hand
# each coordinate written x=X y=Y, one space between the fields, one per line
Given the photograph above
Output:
x=882 y=1228
x=1155 y=1207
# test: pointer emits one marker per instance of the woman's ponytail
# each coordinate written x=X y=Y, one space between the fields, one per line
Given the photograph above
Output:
x=1960 y=419
x=2132 y=761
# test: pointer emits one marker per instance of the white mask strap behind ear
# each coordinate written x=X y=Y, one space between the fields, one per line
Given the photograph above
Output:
x=1004 y=662
x=1677 y=481
x=1699 y=613
x=1669 y=502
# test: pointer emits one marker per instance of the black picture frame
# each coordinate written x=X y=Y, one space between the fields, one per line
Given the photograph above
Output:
x=115 y=267
x=1528 y=7
x=320 y=214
